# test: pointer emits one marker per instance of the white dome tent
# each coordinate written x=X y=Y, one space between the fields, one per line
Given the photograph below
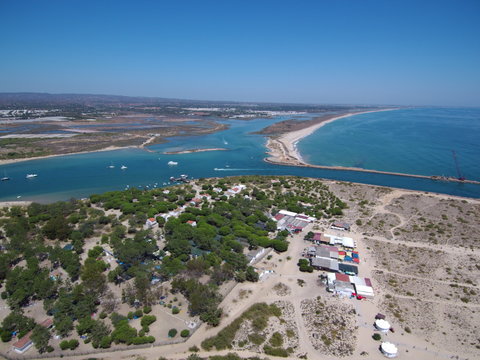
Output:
x=389 y=350
x=382 y=325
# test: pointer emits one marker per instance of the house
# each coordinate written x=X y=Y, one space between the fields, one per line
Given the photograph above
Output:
x=338 y=225
x=47 y=323
x=325 y=264
x=195 y=202
x=344 y=288
x=192 y=223
x=338 y=240
x=348 y=269
x=23 y=344
x=26 y=342
x=255 y=255
x=287 y=213
x=151 y=222
x=278 y=217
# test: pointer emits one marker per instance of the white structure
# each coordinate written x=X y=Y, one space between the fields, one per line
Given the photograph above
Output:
x=341 y=240
x=382 y=325
x=287 y=213
x=389 y=350
x=172 y=163
x=151 y=222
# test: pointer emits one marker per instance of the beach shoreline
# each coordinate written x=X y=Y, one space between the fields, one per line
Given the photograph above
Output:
x=110 y=148
x=282 y=150
x=190 y=151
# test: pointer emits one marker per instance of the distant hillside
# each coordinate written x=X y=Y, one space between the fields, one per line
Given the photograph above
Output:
x=81 y=99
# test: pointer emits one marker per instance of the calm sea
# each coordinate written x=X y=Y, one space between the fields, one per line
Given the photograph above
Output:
x=402 y=138
x=413 y=141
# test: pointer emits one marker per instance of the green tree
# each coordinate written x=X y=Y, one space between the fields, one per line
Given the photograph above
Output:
x=40 y=337
x=251 y=274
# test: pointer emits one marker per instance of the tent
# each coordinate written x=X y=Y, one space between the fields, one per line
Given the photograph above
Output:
x=389 y=350
x=382 y=325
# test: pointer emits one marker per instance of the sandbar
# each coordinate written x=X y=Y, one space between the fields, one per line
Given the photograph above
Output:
x=110 y=148
x=193 y=151
x=282 y=150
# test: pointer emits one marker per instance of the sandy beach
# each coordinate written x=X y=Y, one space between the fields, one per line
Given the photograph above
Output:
x=283 y=149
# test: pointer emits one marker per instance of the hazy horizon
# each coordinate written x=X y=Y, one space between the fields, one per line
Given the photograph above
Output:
x=314 y=52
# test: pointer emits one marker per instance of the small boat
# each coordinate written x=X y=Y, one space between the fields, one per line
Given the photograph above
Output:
x=123 y=167
x=5 y=178
x=30 y=176
x=172 y=163
x=111 y=166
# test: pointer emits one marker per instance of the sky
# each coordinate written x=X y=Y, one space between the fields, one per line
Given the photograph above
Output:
x=321 y=51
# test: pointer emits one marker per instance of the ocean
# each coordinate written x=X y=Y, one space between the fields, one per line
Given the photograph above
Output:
x=78 y=176
x=412 y=141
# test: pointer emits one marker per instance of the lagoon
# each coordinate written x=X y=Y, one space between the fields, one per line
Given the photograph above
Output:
x=78 y=176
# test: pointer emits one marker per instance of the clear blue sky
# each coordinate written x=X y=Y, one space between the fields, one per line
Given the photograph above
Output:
x=332 y=51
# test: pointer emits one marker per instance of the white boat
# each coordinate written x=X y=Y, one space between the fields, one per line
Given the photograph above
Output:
x=123 y=167
x=29 y=176
x=111 y=166
x=5 y=178
x=172 y=163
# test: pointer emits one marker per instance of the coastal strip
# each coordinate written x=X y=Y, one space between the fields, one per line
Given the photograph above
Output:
x=193 y=151
x=110 y=148
x=282 y=150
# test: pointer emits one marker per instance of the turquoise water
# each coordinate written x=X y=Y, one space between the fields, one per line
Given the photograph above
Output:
x=81 y=175
x=413 y=141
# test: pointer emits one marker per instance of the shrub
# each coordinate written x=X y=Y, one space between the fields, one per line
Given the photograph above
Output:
x=175 y=310
x=147 y=309
x=6 y=336
x=276 y=340
x=194 y=348
x=256 y=338
x=223 y=340
x=185 y=333
x=138 y=313
x=275 y=351
x=65 y=344
x=172 y=333
x=147 y=320
x=140 y=340
x=377 y=337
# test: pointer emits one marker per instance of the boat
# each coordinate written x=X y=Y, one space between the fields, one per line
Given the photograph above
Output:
x=172 y=163
x=5 y=178
x=123 y=167
x=30 y=176
x=111 y=166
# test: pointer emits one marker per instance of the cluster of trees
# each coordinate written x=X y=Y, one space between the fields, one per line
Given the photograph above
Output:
x=41 y=243
x=304 y=265
x=203 y=299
